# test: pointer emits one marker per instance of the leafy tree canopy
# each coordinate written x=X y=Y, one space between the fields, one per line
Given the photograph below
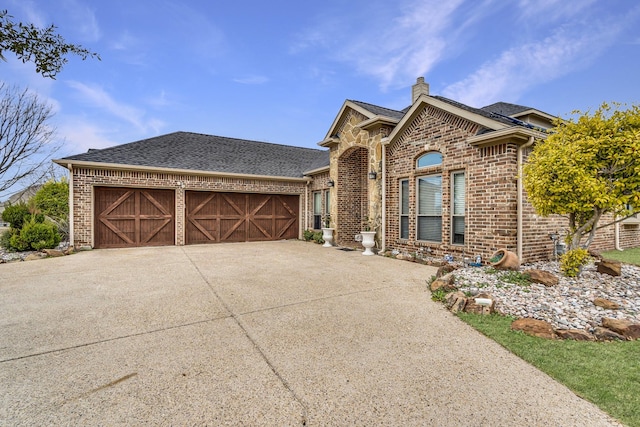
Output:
x=588 y=167
x=42 y=46
x=52 y=199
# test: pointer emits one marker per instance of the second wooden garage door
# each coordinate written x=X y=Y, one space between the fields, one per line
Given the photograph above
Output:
x=239 y=217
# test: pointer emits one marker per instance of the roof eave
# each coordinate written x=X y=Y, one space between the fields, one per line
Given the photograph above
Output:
x=125 y=167
x=328 y=142
x=516 y=134
x=379 y=121
x=317 y=171
x=534 y=112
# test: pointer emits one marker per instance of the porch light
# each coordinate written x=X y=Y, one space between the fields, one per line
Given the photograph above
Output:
x=331 y=183
x=373 y=175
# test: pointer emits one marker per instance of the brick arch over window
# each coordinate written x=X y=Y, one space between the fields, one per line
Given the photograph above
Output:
x=353 y=199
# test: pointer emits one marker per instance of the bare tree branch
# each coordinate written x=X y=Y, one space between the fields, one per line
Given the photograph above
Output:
x=26 y=139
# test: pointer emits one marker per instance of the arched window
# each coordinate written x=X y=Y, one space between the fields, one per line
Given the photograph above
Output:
x=429 y=159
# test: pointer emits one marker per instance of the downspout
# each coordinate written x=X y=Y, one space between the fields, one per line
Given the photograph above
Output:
x=71 y=237
x=616 y=236
x=521 y=196
x=306 y=205
x=383 y=229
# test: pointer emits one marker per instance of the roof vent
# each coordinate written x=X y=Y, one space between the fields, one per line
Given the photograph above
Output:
x=420 y=88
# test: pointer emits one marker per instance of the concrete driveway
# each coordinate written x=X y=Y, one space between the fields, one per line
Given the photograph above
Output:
x=277 y=334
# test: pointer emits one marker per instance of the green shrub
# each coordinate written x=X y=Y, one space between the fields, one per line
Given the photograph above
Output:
x=572 y=262
x=307 y=235
x=38 y=235
x=516 y=277
x=439 y=295
x=16 y=215
x=5 y=238
x=53 y=199
x=317 y=237
x=17 y=243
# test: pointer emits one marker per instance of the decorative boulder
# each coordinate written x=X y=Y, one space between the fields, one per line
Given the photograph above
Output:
x=574 y=334
x=543 y=277
x=606 y=304
x=536 y=328
x=445 y=282
x=505 y=260
x=625 y=328
x=53 y=252
x=604 y=334
x=445 y=269
x=456 y=301
x=480 y=304
x=607 y=266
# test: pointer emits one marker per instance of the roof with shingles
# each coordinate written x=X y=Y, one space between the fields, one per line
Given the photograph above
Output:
x=506 y=108
x=209 y=153
x=379 y=111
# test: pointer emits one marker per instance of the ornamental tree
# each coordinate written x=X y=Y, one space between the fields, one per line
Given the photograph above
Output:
x=589 y=166
x=43 y=46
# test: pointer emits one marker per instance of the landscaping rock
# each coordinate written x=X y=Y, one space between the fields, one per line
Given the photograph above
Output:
x=444 y=270
x=69 y=251
x=606 y=304
x=574 y=334
x=604 y=334
x=456 y=302
x=536 y=328
x=34 y=256
x=543 y=277
x=445 y=282
x=623 y=327
x=53 y=252
x=610 y=267
x=472 y=305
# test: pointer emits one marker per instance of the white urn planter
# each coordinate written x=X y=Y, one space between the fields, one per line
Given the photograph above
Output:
x=368 y=241
x=327 y=236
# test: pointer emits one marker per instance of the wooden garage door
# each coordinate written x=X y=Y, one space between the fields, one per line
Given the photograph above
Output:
x=236 y=217
x=126 y=217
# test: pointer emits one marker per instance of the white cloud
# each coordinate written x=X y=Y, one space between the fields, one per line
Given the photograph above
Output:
x=393 y=51
x=83 y=20
x=99 y=98
x=522 y=67
x=80 y=136
x=551 y=10
x=251 y=80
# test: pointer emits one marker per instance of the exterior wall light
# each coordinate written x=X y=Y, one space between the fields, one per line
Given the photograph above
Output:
x=331 y=183
x=373 y=175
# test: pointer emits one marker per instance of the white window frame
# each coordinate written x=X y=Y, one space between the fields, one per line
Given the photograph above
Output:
x=402 y=214
x=454 y=214
x=317 y=209
x=420 y=215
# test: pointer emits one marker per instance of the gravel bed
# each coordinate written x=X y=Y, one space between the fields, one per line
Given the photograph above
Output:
x=569 y=305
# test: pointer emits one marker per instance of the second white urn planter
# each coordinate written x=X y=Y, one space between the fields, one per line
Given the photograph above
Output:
x=327 y=236
x=368 y=241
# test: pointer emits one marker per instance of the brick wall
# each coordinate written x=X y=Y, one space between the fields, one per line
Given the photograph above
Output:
x=353 y=199
x=84 y=179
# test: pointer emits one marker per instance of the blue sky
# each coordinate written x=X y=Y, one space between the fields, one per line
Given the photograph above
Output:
x=279 y=71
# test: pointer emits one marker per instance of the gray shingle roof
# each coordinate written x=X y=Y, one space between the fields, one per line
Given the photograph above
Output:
x=480 y=111
x=379 y=111
x=194 y=151
x=505 y=108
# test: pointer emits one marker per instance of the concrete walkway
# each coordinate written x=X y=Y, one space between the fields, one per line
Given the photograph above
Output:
x=276 y=333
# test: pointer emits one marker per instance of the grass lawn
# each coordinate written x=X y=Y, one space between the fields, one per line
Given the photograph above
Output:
x=606 y=374
x=629 y=256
